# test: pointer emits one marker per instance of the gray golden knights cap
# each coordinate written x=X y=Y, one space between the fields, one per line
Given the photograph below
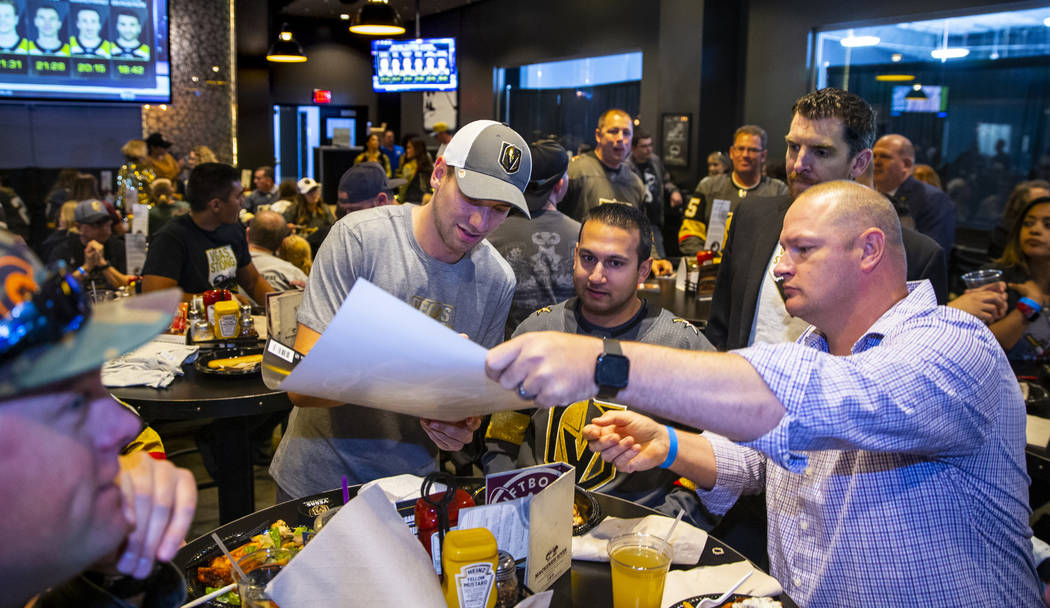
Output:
x=492 y=162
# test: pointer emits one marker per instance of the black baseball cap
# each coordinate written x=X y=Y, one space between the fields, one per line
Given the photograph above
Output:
x=549 y=163
x=364 y=181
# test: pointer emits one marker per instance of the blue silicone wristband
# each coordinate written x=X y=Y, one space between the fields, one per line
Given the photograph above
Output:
x=1032 y=304
x=672 y=452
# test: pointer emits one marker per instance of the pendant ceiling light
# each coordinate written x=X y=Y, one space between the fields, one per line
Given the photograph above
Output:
x=916 y=92
x=377 y=18
x=945 y=52
x=285 y=49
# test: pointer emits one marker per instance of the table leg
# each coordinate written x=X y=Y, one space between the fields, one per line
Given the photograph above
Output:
x=233 y=457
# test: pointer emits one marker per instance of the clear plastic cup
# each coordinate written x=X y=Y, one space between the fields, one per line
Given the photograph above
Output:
x=639 y=568
x=260 y=567
x=977 y=278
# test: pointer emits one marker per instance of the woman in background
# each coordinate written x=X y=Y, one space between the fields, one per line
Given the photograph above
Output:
x=165 y=206
x=286 y=196
x=136 y=174
x=416 y=168
x=309 y=212
x=1024 y=333
x=197 y=155
x=66 y=225
x=59 y=194
x=1022 y=194
x=926 y=174
x=373 y=154
x=296 y=251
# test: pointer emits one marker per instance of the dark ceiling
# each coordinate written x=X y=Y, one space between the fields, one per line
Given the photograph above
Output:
x=331 y=9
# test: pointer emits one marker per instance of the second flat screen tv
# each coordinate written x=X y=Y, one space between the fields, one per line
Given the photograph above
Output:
x=424 y=64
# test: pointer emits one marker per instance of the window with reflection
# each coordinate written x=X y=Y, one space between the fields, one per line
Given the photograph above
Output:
x=565 y=98
x=972 y=93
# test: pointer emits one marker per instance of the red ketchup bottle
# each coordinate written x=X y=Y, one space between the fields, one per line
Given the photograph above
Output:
x=426 y=519
x=211 y=297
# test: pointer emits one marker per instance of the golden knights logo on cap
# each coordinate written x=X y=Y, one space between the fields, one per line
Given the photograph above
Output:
x=510 y=157
x=96 y=206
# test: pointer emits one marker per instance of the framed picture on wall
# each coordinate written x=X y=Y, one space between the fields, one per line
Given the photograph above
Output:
x=440 y=106
x=675 y=142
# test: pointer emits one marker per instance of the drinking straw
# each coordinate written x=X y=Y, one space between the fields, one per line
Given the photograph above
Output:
x=681 y=512
x=346 y=491
x=233 y=562
x=214 y=594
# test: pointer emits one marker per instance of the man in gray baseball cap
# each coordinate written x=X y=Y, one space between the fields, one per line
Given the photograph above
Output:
x=435 y=258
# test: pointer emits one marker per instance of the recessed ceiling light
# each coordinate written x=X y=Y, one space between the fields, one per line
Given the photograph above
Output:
x=945 y=53
x=344 y=17
x=896 y=57
x=855 y=41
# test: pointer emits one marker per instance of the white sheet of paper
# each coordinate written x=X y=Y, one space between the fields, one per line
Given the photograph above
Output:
x=380 y=352
x=134 y=252
x=1037 y=431
x=362 y=557
x=140 y=219
x=540 y=600
x=716 y=227
x=508 y=521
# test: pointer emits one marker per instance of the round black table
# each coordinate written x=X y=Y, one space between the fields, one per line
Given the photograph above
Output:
x=662 y=291
x=587 y=584
x=227 y=400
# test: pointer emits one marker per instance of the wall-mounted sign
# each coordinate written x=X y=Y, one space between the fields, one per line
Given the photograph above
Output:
x=676 y=139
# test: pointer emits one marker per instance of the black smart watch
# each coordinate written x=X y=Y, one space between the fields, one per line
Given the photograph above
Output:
x=611 y=369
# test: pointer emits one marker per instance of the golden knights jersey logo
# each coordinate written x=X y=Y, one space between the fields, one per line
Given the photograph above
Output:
x=565 y=442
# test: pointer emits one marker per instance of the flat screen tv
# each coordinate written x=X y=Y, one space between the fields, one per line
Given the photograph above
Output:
x=935 y=101
x=424 y=64
x=91 y=50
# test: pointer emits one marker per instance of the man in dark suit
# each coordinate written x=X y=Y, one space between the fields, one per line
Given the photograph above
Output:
x=830 y=138
x=933 y=211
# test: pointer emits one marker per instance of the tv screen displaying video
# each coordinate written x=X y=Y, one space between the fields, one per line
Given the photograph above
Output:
x=93 y=50
x=424 y=64
x=935 y=100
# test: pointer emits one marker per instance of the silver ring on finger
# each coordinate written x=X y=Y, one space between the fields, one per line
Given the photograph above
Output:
x=523 y=394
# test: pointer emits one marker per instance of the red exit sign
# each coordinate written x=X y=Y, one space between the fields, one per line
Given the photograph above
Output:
x=322 y=96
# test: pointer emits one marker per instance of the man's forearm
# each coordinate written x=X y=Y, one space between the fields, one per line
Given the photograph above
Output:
x=696 y=460
x=712 y=391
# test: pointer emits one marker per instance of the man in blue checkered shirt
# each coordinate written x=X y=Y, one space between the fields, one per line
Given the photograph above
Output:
x=889 y=439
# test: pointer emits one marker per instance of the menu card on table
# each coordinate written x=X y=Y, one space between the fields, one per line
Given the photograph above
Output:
x=529 y=511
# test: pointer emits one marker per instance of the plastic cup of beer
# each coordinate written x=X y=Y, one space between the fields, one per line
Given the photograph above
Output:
x=260 y=567
x=639 y=568
x=977 y=278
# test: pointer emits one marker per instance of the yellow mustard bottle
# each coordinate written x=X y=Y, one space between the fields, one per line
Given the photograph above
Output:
x=227 y=319
x=468 y=560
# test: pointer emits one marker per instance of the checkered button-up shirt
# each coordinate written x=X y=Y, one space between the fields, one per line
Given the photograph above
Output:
x=897 y=476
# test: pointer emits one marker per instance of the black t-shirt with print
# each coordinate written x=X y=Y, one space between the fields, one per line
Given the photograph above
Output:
x=197 y=259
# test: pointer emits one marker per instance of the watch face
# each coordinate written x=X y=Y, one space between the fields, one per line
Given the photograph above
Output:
x=612 y=371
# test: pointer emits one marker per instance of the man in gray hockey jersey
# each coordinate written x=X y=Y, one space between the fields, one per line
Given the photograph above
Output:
x=610 y=259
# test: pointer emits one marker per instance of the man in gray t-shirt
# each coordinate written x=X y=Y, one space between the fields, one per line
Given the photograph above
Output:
x=436 y=259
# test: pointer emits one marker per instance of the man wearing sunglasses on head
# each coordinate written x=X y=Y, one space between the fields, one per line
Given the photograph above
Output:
x=82 y=523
